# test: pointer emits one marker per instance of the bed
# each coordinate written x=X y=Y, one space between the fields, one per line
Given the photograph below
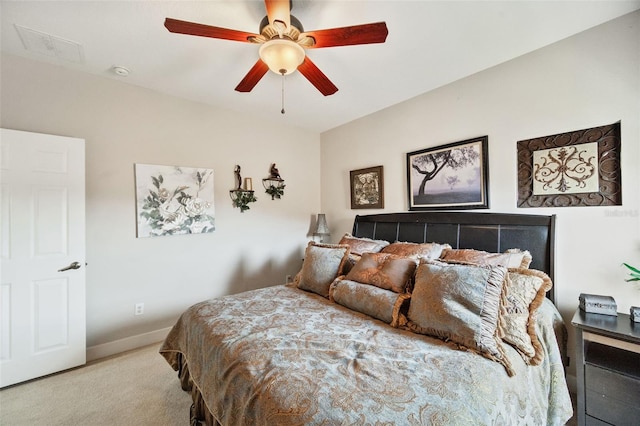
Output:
x=284 y=355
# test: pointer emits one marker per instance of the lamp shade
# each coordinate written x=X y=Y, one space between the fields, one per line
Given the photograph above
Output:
x=282 y=56
x=321 y=225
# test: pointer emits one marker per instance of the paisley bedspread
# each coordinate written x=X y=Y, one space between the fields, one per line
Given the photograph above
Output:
x=283 y=356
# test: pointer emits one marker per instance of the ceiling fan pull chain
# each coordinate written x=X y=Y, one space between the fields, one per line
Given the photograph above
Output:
x=282 y=110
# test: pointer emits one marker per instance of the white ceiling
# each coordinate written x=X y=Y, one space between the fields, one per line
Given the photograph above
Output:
x=430 y=44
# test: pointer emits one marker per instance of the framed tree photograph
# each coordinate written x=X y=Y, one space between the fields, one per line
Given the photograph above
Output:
x=367 y=188
x=452 y=176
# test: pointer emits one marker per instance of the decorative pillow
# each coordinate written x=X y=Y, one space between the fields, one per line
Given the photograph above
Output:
x=524 y=292
x=383 y=270
x=460 y=303
x=322 y=264
x=367 y=299
x=350 y=263
x=359 y=245
x=416 y=251
x=512 y=258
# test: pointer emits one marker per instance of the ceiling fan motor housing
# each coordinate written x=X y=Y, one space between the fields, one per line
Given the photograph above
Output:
x=295 y=24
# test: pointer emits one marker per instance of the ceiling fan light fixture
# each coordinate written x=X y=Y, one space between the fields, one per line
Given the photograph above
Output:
x=281 y=55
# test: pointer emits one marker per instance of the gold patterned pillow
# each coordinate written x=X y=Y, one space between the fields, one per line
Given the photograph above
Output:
x=376 y=302
x=461 y=303
x=416 y=251
x=524 y=292
x=359 y=245
x=383 y=270
x=322 y=264
x=512 y=258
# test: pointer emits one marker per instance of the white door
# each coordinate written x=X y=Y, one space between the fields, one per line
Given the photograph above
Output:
x=42 y=309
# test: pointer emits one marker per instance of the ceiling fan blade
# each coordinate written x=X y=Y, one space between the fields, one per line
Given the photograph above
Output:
x=348 y=36
x=192 y=28
x=253 y=77
x=278 y=10
x=317 y=77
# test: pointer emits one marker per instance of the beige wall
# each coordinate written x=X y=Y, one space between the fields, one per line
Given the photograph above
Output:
x=588 y=80
x=123 y=125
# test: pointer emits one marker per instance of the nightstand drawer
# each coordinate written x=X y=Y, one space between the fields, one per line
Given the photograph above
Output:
x=612 y=397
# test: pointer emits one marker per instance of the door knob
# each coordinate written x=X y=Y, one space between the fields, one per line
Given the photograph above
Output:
x=74 y=265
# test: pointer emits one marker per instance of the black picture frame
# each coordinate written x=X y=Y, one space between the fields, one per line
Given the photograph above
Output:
x=449 y=177
x=554 y=171
x=367 y=188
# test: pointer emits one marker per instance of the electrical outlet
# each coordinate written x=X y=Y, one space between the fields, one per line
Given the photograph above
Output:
x=287 y=279
x=139 y=309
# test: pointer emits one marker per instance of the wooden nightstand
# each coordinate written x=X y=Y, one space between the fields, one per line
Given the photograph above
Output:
x=607 y=369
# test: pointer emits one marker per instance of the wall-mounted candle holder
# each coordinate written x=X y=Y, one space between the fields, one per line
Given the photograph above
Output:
x=274 y=184
x=240 y=196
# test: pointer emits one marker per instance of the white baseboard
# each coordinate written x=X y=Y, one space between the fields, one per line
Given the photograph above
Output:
x=126 y=344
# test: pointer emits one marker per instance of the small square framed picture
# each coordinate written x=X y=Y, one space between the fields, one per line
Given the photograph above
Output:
x=367 y=188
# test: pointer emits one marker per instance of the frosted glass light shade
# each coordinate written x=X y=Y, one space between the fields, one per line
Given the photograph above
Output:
x=282 y=56
x=321 y=226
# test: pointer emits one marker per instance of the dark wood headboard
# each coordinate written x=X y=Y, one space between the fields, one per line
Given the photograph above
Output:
x=492 y=232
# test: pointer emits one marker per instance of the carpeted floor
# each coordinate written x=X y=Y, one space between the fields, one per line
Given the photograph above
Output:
x=133 y=388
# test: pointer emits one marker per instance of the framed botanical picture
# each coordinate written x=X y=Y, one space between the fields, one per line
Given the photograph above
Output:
x=452 y=176
x=172 y=200
x=367 y=188
x=579 y=168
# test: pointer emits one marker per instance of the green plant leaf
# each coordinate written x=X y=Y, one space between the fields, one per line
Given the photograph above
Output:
x=635 y=273
x=243 y=198
x=636 y=270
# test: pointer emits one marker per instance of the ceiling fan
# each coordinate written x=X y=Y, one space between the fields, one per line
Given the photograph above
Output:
x=283 y=42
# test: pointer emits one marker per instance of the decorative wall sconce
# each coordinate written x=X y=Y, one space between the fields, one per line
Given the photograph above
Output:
x=274 y=184
x=241 y=197
x=322 y=229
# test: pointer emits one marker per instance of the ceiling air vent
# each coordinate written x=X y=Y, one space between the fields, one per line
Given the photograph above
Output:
x=46 y=44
